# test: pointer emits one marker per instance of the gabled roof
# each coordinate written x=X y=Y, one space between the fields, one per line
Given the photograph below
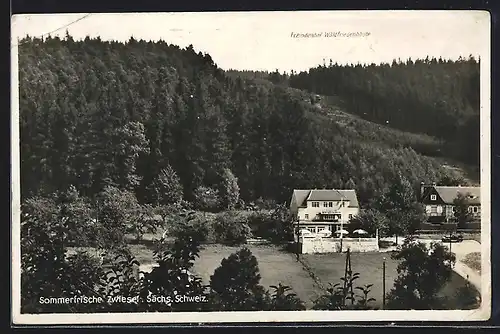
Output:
x=302 y=196
x=448 y=194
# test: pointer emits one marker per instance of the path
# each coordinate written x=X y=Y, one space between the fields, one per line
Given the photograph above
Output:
x=460 y=249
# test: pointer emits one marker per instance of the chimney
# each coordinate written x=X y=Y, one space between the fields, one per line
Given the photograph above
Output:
x=422 y=188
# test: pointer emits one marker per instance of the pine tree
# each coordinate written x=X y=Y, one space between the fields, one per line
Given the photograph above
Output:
x=235 y=283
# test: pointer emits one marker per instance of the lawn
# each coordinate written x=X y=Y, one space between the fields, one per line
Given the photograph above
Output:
x=330 y=267
x=276 y=266
x=308 y=278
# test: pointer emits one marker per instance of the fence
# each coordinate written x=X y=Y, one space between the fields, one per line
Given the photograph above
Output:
x=332 y=245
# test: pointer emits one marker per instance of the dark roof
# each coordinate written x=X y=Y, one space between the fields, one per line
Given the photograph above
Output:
x=448 y=194
x=326 y=195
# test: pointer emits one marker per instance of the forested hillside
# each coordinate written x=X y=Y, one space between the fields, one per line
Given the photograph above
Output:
x=137 y=115
x=432 y=96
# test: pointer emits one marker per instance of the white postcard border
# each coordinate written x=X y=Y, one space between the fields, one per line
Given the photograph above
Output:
x=483 y=313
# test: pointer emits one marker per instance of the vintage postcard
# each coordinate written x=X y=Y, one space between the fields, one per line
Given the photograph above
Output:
x=225 y=167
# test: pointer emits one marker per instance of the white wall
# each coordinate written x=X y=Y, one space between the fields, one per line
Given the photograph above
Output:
x=330 y=245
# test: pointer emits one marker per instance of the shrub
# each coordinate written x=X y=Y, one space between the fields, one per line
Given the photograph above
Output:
x=207 y=199
x=235 y=284
x=274 y=226
x=467 y=297
x=230 y=228
x=283 y=299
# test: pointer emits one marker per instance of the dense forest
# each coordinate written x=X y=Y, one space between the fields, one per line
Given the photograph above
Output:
x=433 y=96
x=97 y=113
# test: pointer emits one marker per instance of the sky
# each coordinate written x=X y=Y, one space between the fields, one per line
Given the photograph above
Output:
x=284 y=40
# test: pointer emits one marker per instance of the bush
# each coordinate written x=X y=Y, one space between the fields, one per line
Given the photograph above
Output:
x=230 y=228
x=467 y=298
x=257 y=222
x=274 y=226
x=284 y=299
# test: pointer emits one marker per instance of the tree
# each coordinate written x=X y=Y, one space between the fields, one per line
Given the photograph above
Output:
x=235 y=283
x=117 y=211
x=400 y=205
x=131 y=144
x=45 y=271
x=461 y=210
x=206 y=199
x=77 y=213
x=166 y=188
x=370 y=220
x=283 y=299
x=145 y=221
x=422 y=272
x=43 y=235
x=229 y=190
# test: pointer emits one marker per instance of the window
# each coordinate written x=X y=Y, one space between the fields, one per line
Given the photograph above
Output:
x=306 y=216
x=315 y=204
x=439 y=209
x=330 y=204
x=331 y=217
x=325 y=204
x=350 y=216
x=469 y=209
x=433 y=197
x=475 y=209
x=428 y=208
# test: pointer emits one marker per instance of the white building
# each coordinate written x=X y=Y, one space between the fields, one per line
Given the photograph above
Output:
x=320 y=209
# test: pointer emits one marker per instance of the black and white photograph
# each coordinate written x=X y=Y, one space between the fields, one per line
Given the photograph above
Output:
x=250 y=167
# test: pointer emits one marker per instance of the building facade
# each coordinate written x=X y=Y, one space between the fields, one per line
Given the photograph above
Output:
x=319 y=209
x=439 y=208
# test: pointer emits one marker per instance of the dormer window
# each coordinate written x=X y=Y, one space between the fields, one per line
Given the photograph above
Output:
x=433 y=197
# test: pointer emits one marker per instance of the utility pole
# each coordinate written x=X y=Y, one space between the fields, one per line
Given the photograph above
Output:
x=383 y=285
x=341 y=223
x=298 y=239
x=347 y=288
